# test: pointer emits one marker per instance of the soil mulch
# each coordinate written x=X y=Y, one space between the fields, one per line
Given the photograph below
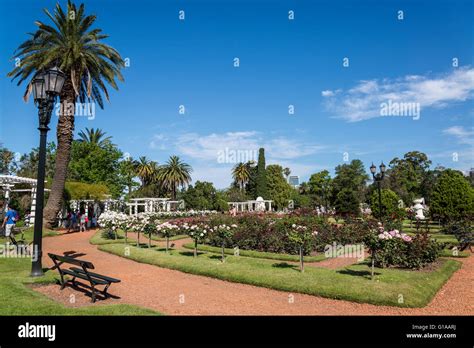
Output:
x=177 y=293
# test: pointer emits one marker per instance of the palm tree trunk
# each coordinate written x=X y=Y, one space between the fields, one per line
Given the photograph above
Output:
x=65 y=133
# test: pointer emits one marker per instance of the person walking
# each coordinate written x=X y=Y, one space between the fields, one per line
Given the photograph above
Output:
x=11 y=217
x=82 y=222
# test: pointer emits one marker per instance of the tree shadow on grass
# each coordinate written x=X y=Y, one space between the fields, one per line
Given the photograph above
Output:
x=364 y=274
x=285 y=265
x=190 y=253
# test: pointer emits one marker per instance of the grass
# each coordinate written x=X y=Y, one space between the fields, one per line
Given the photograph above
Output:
x=28 y=235
x=350 y=283
x=17 y=298
x=98 y=240
x=256 y=254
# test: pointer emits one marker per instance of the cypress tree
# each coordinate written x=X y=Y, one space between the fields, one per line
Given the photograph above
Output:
x=261 y=189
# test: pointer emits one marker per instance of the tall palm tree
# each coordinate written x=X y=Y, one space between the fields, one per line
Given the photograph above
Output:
x=241 y=174
x=94 y=136
x=90 y=66
x=173 y=174
x=146 y=170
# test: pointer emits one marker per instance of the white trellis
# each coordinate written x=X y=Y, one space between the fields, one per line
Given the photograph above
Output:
x=153 y=204
x=259 y=204
x=8 y=182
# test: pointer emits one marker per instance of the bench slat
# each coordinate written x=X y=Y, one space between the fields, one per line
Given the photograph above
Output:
x=83 y=276
x=97 y=275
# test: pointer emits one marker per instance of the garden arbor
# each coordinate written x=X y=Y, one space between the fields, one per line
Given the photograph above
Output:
x=151 y=205
x=8 y=182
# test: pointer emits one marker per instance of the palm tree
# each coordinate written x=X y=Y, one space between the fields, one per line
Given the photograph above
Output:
x=146 y=170
x=241 y=174
x=94 y=136
x=88 y=63
x=287 y=172
x=173 y=174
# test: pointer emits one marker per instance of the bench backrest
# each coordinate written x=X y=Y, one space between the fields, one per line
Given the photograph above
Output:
x=71 y=260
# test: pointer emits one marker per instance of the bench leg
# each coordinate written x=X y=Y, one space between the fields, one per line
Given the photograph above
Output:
x=106 y=294
x=93 y=297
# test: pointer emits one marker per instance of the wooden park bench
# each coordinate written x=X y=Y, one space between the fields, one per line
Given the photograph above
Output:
x=83 y=272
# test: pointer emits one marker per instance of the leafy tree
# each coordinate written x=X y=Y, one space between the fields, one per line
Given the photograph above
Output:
x=204 y=196
x=93 y=164
x=82 y=190
x=452 y=197
x=349 y=187
x=28 y=164
x=6 y=161
x=347 y=201
x=251 y=187
x=320 y=186
x=88 y=63
x=127 y=171
x=406 y=175
x=261 y=187
x=174 y=174
x=278 y=188
x=390 y=203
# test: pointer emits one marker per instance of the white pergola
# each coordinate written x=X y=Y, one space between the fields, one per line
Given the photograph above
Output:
x=153 y=204
x=252 y=205
x=8 y=182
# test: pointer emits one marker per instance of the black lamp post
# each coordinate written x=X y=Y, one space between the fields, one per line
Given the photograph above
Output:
x=378 y=179
x=46 y=86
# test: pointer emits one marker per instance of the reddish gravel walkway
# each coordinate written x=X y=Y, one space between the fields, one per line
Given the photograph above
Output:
x=174 y=292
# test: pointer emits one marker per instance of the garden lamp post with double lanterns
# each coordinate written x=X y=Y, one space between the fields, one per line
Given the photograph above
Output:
x=47 y=85
x=378 y=177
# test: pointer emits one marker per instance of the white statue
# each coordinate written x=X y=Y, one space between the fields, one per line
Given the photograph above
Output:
x=260 y=204
x=419 y=207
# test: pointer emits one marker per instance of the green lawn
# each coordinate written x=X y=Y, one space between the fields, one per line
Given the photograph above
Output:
x=17 y=298
x=256 y=254
x=28 y=235
x=351 y=283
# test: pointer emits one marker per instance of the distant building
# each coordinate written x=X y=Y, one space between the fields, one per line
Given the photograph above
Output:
x=294 y=180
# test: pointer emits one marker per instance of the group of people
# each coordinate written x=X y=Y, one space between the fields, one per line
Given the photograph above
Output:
x=79 y=221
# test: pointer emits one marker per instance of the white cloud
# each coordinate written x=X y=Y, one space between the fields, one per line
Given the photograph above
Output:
x=208 y=147
x=363 y=101
x=464 y=136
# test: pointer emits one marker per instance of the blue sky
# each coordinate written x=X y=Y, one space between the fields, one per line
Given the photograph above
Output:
x=283 y=62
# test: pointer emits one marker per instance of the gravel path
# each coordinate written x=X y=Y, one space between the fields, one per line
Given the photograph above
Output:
x=176 y=293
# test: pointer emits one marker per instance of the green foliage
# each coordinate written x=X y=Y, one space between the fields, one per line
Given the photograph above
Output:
x=320 y=185
x=347 y=202
x=204 y=196
x=28 y=166
x=7 y=165
x=261 y=181
x=390 y=204
x=96 y=164
x=452 y=197
x=173 y=174
x=349 y=187
x=408 y=177
x=81 y=190
x=278 y=188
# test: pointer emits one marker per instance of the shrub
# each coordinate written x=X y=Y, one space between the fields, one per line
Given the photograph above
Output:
x=395 y=249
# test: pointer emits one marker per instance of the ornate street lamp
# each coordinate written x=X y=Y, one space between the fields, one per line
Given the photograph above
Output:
x=378 y=179
x=46 y=87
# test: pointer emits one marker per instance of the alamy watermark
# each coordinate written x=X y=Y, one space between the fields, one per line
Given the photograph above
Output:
x=228 y=155
x=356 y=251
x=409 y=109
x=76 y=109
